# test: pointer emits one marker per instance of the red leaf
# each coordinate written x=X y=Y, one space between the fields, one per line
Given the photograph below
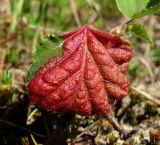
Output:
x=88 y=77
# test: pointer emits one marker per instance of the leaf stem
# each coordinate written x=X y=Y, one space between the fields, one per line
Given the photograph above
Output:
x=123 y=133
x=114 y=122
x=118 y=29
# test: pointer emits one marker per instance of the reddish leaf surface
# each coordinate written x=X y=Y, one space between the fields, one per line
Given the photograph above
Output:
x=88 y=77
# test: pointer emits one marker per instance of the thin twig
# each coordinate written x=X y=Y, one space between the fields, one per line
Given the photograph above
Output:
x=123 y=133
x=9 y=38
x=87 y=128
x=85 y=132
x=21 y=127
x=111 y=118
x=75 y=13
x=148 y=96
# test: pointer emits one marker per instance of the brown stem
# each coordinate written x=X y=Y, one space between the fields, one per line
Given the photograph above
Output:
x=123 y=133
x=115 y=123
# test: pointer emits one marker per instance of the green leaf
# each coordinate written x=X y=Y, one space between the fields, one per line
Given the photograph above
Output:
x=134 y=9
x=50 y=47
x=140 y=32
x=130 y=7
x=147 y=11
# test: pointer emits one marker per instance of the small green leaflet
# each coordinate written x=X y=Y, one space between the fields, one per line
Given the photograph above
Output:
x=139 y=31
x=50 y=47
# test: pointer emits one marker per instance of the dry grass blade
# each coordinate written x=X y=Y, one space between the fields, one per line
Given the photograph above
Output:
x=75 y=13
x=148 y=96
x=33 y=139
x=147 y=65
